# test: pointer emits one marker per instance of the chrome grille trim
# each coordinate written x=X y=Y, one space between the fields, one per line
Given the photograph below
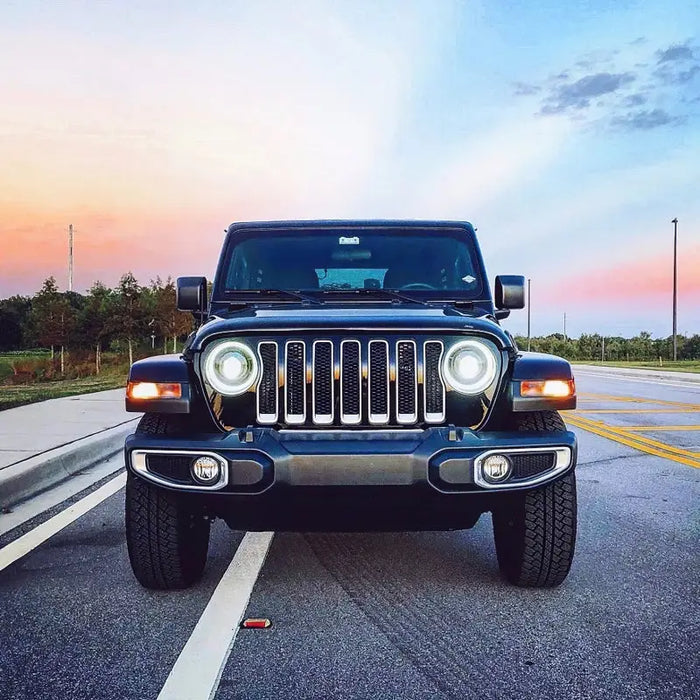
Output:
x=378 y=418
x=294 y=418
x=322 y=418
x=267 y=418
x=433 y=417
x=406 y=418
x=345 y=417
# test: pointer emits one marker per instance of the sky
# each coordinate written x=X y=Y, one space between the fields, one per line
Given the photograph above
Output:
x=566 y=132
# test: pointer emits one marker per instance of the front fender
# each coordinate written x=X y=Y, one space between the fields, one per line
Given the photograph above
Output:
x=535 y=366
x=163 y=369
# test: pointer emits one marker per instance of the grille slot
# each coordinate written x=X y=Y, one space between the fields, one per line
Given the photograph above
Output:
x=268 y=389
x=295 y=382
x=529 y=465
x=350 y=382
x=172 y=467
x=322 y=383
x=406 y=382
x=433 y=388
x=378 y=382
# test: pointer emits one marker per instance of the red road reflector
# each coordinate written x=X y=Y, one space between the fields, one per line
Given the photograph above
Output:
x=256 y=623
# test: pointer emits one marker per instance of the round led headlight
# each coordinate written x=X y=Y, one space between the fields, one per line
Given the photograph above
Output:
x=470 y=366
x=230 y=367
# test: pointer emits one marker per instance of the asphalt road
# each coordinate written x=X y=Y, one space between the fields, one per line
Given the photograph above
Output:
x=406 y=615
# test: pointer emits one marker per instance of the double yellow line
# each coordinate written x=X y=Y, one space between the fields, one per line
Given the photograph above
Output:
x=639 y=442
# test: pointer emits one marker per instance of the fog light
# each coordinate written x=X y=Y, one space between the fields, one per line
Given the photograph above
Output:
x=206 y=470
x=496 y=468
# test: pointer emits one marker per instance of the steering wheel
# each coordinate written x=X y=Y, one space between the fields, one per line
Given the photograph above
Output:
x=418 y=285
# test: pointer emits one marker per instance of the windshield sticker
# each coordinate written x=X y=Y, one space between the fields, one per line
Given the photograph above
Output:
x=468 y=278
x=349 y=240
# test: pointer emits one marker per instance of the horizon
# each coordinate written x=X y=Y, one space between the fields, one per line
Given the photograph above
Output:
x=567 y=135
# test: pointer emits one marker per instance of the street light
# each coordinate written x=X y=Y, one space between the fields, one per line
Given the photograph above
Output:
x=528 y=314
x=675 y=287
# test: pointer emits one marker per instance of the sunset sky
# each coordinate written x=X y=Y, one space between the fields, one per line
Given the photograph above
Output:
x=568 y=133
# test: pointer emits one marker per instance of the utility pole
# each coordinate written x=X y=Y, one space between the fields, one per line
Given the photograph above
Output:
x=675 y=287
x=528 y=314
x=602 y=351
x=70 y=258
x=565 y=338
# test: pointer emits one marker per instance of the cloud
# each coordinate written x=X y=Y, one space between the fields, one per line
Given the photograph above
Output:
x=679 y=52
x=578 y=94
x=602 y=88
x=521 y=89
x=635 y=100
x=646 y=119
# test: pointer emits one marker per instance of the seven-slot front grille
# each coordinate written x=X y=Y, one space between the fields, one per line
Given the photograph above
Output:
x=349 y=382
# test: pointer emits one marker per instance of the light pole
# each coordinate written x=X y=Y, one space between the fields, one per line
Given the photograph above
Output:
x=528 y=314
x=675 y=287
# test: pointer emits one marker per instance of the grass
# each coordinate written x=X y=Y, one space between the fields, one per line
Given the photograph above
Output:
x=21 y=394
x=7 y=358
x=678 y=366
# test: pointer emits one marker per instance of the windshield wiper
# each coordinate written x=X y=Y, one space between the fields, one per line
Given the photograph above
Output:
x=291 y=294
x=388 y=294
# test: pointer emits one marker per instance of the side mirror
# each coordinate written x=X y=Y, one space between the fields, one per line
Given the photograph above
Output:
x=192 y=294
x=510 y=292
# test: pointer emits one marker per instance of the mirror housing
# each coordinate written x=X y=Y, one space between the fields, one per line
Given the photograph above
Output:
x=192 y=294
x=510 y=292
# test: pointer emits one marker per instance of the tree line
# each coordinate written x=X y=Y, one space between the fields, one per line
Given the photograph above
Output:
x=131 y=316
x=121 y=319
x=593 y=346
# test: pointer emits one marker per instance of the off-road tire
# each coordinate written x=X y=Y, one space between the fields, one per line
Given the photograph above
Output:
x=535 y=533
x=166 y=540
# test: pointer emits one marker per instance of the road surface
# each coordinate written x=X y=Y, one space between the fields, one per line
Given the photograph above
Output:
x=404 y=615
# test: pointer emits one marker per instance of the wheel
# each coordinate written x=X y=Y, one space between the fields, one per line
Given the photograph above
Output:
x=535 y=533
x=166 y=540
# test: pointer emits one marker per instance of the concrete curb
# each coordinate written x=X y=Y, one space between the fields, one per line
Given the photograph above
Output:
x=29 y=477
x=665 y=375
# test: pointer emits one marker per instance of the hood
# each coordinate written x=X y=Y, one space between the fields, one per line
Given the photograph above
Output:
x=287 y=317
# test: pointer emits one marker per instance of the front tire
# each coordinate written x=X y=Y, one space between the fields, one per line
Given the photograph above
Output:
x=167 y=541
x=535 y=534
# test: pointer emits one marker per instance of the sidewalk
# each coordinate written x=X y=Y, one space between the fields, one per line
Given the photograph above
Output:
x=44 y=443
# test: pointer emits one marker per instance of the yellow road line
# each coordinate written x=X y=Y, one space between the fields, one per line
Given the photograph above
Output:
x=659 y=449
x=641 y=438
x=636 y=399
x=654 y=428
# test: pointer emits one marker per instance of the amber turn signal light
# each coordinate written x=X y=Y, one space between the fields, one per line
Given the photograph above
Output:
x=153 y=390
x=552 y=388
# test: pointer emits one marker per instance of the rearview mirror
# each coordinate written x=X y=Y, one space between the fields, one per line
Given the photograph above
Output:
x=510 y=292
x=191 y=293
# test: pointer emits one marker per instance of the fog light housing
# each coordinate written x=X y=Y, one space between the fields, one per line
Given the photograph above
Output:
x=206 y=470
x=496 y=468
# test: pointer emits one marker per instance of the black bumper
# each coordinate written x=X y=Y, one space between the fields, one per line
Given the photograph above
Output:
x=440 y=459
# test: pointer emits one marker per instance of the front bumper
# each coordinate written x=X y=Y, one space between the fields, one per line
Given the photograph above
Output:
x=443 y=459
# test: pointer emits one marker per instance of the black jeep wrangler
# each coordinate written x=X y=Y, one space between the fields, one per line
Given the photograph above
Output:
x=350 y=376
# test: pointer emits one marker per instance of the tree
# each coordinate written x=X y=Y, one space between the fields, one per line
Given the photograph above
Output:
x=168 y=320
x=128 y=313
x=93 y=319
x=53 y=318
x=13 y=322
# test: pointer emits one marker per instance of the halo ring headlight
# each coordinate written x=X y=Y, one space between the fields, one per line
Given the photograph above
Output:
x=470 y=367
x=230 y=367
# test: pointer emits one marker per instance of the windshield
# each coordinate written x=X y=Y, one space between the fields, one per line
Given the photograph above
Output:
x=336 y=260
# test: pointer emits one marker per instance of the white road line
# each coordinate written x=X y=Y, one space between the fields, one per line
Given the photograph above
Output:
x=32 y=539
x=198 y=669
